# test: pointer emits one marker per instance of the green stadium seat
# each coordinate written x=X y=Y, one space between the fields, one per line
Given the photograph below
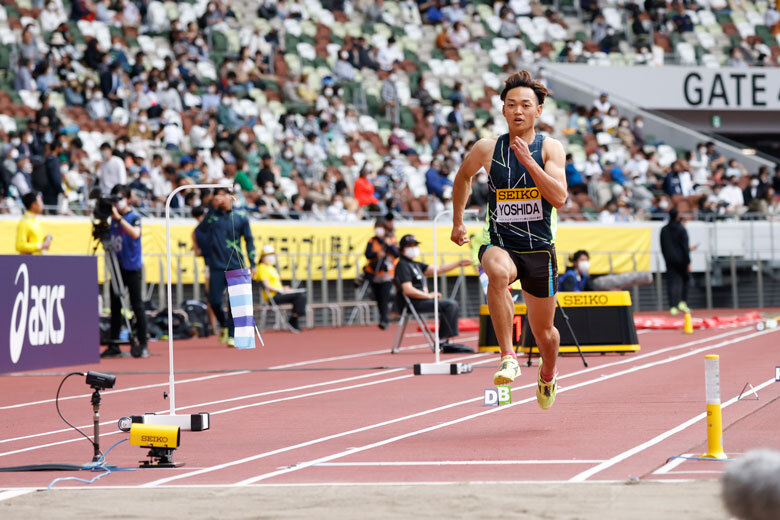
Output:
x=407 y=119
x=219 y=42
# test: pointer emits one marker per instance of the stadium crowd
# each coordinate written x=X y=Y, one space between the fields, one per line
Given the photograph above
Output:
x=88 y=103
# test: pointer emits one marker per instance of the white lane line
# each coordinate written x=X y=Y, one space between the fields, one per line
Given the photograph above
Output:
x=655 y=440
x=629 y=360
x=249 y=396
x=261 y=403
x=697 y=472
x=666 y=468
x=348 y=484
x=361 y=354
x=438 y=426
x=270 y=392
x=204 y=378
x=458 y=463
x=13 y=493
x=108 y=393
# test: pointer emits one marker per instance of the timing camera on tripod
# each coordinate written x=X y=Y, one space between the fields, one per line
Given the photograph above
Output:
x=101 y=235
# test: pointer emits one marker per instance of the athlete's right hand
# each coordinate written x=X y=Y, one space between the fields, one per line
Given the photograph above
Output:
x=460 y=234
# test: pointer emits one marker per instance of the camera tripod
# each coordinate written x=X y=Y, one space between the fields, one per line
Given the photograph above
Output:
x=118 y=288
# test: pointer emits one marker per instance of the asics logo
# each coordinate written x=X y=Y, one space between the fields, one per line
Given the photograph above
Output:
x=33 y=314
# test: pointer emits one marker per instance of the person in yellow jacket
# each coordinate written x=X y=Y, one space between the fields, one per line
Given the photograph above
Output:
x=274 y=291
x=29 y=233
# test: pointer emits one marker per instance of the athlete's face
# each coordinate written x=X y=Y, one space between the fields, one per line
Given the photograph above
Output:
x=521 y=109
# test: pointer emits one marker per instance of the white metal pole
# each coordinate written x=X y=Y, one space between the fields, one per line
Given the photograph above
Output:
x=171 y=386
x=436 y=279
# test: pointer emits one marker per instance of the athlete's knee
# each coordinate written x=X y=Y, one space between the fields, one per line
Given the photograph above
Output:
x=548 y=336
x=498 y=275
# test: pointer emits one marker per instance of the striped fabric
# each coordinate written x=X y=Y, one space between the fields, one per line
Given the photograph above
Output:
x=240 y=296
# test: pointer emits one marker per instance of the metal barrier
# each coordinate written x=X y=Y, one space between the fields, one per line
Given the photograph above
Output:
x=738 y=278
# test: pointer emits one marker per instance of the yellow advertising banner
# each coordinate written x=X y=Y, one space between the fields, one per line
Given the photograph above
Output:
x=309 y=248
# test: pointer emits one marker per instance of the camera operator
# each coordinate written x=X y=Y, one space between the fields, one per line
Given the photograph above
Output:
x=126 y=240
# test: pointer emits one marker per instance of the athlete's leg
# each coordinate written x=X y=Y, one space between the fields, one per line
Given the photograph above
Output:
x=501 y=272
x=541 y=312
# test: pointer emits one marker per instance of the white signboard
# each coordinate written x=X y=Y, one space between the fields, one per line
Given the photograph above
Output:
x=683 y=88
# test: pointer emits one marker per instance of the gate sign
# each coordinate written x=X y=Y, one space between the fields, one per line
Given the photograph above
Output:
x=683 y=88
x=48 y=312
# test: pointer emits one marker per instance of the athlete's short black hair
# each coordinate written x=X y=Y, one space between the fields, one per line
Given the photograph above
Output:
x=524 y=79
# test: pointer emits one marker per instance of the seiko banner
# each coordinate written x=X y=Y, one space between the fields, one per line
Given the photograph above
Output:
x=48 y=312
x=683 y=88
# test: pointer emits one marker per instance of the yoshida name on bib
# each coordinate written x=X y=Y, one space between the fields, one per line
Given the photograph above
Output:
x=519 y=205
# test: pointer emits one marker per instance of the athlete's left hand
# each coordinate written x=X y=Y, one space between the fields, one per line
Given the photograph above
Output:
x=522 y=152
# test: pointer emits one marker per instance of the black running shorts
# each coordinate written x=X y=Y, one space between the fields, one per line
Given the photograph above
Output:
x=537 y=270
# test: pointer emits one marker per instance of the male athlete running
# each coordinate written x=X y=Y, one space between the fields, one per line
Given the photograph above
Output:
x=527 y=183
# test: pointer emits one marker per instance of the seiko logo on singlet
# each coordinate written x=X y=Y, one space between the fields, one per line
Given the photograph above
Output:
x=519 y=205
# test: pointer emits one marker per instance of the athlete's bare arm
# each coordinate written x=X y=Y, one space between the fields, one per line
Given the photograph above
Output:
x=478 y=157
x=551 y=180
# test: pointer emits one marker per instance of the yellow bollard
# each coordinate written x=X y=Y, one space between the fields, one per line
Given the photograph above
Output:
x=688 y=324
x=714 y=417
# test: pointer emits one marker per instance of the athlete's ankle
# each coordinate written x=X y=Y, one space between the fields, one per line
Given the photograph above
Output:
x=547 y=377
x=510 y=353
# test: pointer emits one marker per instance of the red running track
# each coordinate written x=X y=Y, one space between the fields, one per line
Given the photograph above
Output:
x=351 y=422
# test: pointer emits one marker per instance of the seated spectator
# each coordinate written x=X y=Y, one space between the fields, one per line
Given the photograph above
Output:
x=24 y=79
x=436 y=179
x=576 y=277
x=411 y=274
x=274 y=291
x=681 y=20
x=714 y=157
x=364 y=190
x=343 y=69
x=678 y=181
x=732 y=197
x=755 y=196
x=573 y=176
x=459 y=37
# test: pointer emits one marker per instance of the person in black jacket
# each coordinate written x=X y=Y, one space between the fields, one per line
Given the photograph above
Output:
x=411 y=277
x=676 y=251
x=223 y=228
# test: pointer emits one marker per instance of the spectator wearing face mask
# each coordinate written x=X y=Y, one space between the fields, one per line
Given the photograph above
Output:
x=111 y=170
x=98 y=107
x=382 y=254
x=343 y=69
x=274 y=291
x=576 y=277
x=364 y=189
x=411 y=276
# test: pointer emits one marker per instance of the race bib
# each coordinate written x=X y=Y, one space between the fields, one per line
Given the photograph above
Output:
x=519 y=205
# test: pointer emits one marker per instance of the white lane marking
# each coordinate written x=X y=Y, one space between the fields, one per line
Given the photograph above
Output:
x=458 y=463
x=270 y=392
x=108 y=393
x=13 y=493
x=697 y=472
x=204 y=378
x=438 y=426
x=666 y=468
x=361 y=354
x=684 y=345
x=351 y=484
x=655 y=440
x=623 y=361
x=261 y=403
x=249 y=396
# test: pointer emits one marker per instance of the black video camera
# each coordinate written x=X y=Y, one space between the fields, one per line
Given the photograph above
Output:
x=104 y=207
